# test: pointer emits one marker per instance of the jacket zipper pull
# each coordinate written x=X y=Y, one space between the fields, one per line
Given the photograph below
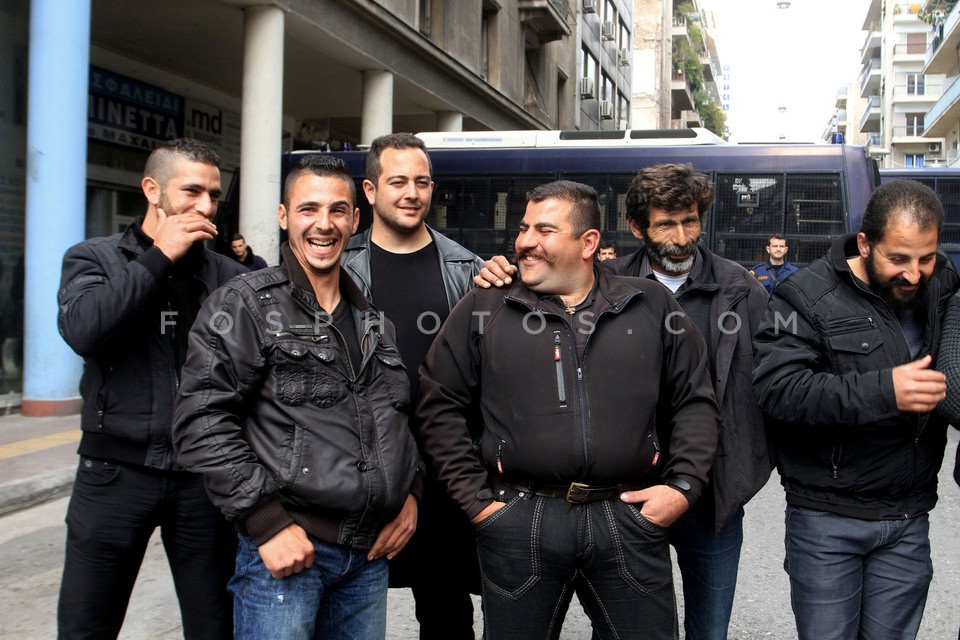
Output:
x=656 y=452
x=500 y=458
x=836 y=473
x=561 y=392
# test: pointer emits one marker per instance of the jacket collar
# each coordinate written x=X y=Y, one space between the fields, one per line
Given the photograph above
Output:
x=303 y=289
x=446 y=248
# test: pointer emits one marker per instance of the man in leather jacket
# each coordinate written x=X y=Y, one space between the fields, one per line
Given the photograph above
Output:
x=126 y=304
x=415 y=276
x=599 y=426
x=294 y=408
x=844 y=371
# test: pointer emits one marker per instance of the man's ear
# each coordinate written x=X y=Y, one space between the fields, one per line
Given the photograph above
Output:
x=590 y=242
x=635 y=229
x=369 y=190
x=151 y=189
x=863 y=245
x=282 y=216
x=356 y=221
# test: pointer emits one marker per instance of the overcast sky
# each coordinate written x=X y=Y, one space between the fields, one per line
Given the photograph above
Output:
x=795 y=58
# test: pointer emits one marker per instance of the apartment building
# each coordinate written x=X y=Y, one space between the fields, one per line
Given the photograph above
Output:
x=942 y=119
x=845 y=119
x=676 y=67
x=900 y=86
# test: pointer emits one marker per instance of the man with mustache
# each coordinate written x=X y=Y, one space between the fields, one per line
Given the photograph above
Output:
x=843 y=370
x=666 y=205
x=598 y=425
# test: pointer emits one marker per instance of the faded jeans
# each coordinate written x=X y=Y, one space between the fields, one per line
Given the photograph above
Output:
x=341 y=597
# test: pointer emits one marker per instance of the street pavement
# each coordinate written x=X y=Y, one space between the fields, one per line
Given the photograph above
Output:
x=38 y=460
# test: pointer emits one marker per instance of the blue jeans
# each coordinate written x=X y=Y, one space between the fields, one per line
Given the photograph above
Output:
x=536 y=552
x=113 y=511
x=854 y=578
x=708 y=563
x=341 y=597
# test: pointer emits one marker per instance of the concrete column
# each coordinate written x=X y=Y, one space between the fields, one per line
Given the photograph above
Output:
x=377 y=113
x=261 y=129
x=449 y=121
x=56 y=193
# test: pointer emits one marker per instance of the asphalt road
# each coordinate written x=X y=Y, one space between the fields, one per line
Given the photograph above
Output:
x=31 y=552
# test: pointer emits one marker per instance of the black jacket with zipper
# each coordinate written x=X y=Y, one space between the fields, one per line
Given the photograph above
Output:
x=550 y=417
x=284 y=427
x=736 y=302
x=826 y=350
x=116 y=314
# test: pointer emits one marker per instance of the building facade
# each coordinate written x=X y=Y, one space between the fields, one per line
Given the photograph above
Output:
x=943 y=117
x=255 y=78
x=900 y=86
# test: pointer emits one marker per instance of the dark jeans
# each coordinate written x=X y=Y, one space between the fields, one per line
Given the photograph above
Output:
x=854 y=578
x=536 y=552
x=113 y=512
x=708 y=563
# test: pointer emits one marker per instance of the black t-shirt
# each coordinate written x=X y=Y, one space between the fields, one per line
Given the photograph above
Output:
x=342 y=319
x=408 y=289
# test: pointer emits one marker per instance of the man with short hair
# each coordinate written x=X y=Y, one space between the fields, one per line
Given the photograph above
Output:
x=776 y=269
x=293 y=407
x=666 y=208
x=607 y=251
x=244 y=253
x=126 y=305
x=416 y=275
x=843 y=369
x=592 y=393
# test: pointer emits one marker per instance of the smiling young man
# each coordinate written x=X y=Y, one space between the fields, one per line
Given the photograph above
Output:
x=293 y=407
x=572 y=418
x=416 y=275
x=844 y=371
x=126 y=305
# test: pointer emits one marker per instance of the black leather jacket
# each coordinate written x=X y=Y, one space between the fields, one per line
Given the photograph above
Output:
x=283 y=428
x=112 y=312
x=826 y=350
x=457 y=265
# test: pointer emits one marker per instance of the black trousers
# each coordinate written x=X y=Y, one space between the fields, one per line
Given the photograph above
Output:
x=113 y=512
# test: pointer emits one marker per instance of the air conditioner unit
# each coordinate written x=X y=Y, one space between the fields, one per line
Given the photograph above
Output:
x=606 y=110
x=933 y=147
x=624 y=57
x=607 y=30
x=586 y=87
x=589 y=6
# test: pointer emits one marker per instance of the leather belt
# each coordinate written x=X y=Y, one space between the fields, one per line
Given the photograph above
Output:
x=574 y=493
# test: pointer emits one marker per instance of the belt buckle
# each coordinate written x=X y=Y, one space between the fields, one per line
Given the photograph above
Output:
x=577 y=489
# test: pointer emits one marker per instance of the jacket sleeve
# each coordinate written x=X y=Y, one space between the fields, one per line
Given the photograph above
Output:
x=688 y=407
x=94 y=304
x=792 y=378
x=449 y=391
x=224 y=366
x=948 y=361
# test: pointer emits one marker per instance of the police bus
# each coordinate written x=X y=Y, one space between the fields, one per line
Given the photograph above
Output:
x=809 y=193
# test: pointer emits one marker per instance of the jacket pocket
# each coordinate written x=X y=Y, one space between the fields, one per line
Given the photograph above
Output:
x=306 y=372
x=393 y=375
x=852 y=341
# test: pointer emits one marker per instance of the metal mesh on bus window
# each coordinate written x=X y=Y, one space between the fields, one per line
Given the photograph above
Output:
x=807 y=208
